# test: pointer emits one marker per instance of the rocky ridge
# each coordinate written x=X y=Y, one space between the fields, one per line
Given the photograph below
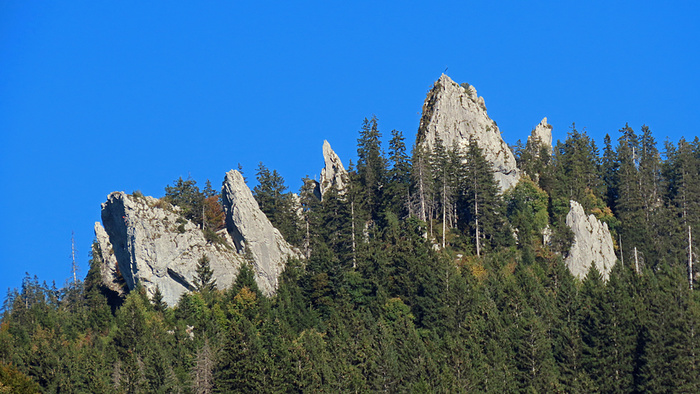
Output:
x=144 y=240
x=456 y=114
x=592 y=244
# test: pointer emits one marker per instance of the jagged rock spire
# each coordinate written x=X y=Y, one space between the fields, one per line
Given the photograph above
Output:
x=252 y=232
x=333 y=173
x=456 y=114
x=542 y=135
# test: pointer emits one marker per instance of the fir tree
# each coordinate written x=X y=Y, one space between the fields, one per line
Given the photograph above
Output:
x=204 y=281
x=399 y=176
x=371 y=166
x=481 y=206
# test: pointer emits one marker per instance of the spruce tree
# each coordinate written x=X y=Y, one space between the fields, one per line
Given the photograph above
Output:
x=398 y=193
x=371 y=166
x=204 y=281
x=630 y=203
x=480 y=205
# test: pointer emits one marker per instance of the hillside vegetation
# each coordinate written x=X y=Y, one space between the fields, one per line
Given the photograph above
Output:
x=419 y=276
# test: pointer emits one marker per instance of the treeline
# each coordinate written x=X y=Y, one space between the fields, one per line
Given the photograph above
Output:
x=419 y=276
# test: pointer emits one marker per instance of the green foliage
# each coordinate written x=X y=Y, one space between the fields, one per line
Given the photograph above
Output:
x=278 y=205
x=204 y=281
x=526 y=208
x=371 y=166
x=14 y=381
x=202 y=208
x=382 y=303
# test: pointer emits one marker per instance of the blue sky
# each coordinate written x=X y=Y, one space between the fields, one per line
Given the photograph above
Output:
x=104 y=96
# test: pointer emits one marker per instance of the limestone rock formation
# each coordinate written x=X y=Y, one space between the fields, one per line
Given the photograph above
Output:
x=592 y=243
x=456 y=114
x=542 y=135
x=109 y=267
x=333 y=173
x=253 y=233
x=143 y=241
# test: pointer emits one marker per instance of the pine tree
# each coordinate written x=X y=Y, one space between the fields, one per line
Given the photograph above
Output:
x=422 y=182
x=609 y=169
x=202 y=371
x=399 y=180
x=309 y=198
x=186 y=195
x=444 y=184
x=158 y=304
x=576 y=169
x=278 y=205
x=371 y=166
x=630 y=205
x=204 y=281
x=480 y=206
x=243 y=365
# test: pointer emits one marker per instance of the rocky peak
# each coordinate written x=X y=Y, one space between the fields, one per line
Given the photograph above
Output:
x=145 y=241
x=333 y=173
x=456 y=114
x=253 y=233
x=542 y=135
x=592 y=244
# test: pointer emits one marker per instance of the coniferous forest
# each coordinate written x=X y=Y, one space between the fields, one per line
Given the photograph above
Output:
x=419 y=276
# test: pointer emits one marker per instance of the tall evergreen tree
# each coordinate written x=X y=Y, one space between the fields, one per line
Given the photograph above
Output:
x=398 y=193
x=371 y=166
x=576 y=169
x=277 y=204
x=480 y=205
x=204 y=281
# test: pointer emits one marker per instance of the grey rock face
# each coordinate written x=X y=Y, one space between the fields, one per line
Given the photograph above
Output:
x=252 y=232
x=109 y=268
x=333 y=173
x=592 y=244
x=457 y=114
x=141 y=238
x=542 y=135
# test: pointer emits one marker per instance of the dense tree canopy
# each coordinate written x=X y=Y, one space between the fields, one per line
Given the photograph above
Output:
x=421 y=276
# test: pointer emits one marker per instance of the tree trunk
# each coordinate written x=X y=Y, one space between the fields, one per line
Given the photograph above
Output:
x=352 y=214
x=690 y=258
x=476 y=215
x=444 y=210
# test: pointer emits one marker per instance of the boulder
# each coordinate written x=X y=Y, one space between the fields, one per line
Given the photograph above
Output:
x=456 y=114
x=146 y=239
x=592 y=244
x=333 y=173
x=253 y=234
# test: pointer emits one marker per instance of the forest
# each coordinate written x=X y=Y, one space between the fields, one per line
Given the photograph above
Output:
x=418 y=276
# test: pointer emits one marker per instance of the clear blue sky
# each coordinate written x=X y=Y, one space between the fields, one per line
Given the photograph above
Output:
x=104 y=96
